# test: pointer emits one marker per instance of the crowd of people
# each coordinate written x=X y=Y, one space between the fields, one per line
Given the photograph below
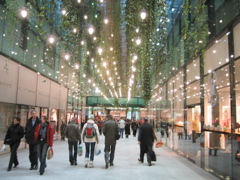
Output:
x=39 y=137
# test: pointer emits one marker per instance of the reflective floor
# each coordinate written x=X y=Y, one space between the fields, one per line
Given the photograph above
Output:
x=169 y=165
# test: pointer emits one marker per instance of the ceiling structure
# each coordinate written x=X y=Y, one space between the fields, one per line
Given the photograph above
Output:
x=113 y=45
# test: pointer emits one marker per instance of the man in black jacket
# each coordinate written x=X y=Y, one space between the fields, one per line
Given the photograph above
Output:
x=31 y=125
x=145 y=139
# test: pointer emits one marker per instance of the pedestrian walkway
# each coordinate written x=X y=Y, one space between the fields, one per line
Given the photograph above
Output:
x=169 y=165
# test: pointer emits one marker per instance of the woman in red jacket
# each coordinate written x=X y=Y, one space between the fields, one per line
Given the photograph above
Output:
x=44 y=136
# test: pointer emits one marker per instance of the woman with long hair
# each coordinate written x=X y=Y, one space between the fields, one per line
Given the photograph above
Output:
x=44 y=136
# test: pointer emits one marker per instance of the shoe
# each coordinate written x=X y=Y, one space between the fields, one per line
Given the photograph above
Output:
x=149 y=164
x=86 y=163
x=31 y=168
x=106 y=166
x=111 y=164
x=15 y=165
x=90 y=165
x=41 y=174
x=75 y=163
x=140 y=160
x=9 y=169
x=35 y=167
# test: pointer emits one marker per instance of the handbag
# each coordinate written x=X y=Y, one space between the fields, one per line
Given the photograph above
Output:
x=117 y=136
x=153 y=156
x=237 y=156
x=159 y=144
x=50 y=153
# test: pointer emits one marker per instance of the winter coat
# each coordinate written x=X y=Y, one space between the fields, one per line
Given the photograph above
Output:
x=121 y=124
x=73 y=132
x=29 y=130
x=146 y=134
x=96 y=137
x=110 y=128
x=49 y=136
x=127 y=128
x=14 y=134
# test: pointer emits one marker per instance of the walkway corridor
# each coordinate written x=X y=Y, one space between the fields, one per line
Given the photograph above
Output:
x=169 y=165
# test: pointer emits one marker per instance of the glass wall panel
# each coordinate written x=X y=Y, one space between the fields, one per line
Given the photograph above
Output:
x=216 y=55
x=217 y=122
x=193 y=93
x=193 y=71
x=236 y=33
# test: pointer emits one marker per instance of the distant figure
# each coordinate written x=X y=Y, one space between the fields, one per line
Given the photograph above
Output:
x=74 y=136
x=110 y=128
x=63 y=129
x=30 y=127
x=134 y=127
x=121 y=125
x=90 y=136
x=145 y=139
x=13 y=138
x=127 y=129
x=44 y=136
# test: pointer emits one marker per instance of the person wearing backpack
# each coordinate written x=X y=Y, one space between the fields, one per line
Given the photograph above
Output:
x=90 y=135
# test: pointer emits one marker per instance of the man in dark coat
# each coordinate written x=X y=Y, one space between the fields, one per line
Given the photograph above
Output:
x=145 y=139
x=110 y=128
x=31 y=125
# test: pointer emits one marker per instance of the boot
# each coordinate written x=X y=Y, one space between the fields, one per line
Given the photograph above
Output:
x=86 y=163
x=90 y=164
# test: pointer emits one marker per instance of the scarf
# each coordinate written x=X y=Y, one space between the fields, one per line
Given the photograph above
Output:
x=43 y=130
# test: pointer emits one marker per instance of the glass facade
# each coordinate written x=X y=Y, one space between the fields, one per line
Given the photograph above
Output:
x=200 y=100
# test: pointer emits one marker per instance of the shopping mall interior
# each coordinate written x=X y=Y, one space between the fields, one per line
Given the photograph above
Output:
x=173 y=62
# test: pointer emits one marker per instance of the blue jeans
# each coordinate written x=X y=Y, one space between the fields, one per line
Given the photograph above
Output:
x=121 y=132
x=43 y=148
x=89 y=145
x=72 y=145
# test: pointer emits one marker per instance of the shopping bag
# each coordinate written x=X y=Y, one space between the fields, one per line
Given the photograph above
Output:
x=97 y=150
x=50 y=153
x=80 y=150
x=159 y=144
x=153 y=156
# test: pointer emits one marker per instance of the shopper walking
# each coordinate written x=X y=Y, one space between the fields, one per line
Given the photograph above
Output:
x=110 y=129
x=63 y=129
x=13 y=138
x=145 y=139
x=74 y=136
x=127 y=128
x=134 y=126
x=90 y=135
x=31 y=125
x=121 y=125
x=44 y=136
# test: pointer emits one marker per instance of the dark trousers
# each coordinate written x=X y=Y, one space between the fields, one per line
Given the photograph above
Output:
x=13 y=157
x=43 y=148
x=134 y=132
x=146 y=148
x=33 y=154
x=110 y=149
x=90 y=147
x=72 y=147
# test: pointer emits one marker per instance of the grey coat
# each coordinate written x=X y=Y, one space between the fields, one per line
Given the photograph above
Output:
x=73 y=132
x=110 y=128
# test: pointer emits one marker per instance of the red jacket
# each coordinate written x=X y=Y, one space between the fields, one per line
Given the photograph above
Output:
x=49 y=136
